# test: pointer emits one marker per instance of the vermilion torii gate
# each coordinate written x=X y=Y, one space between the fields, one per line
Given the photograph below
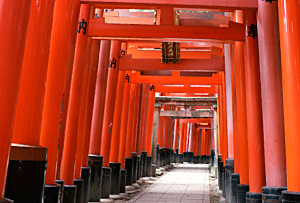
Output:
x=79 y=78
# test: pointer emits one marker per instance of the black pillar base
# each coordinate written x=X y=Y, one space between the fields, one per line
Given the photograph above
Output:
x=62 y=190
x=25 y=181
x=52 y=193
x=115 y=178
x=157 y=156
x=80 y=190
x=6 y=201
x=253 y=197
x=106 y=178
x=70 y=192
x=288 y=196
x=180 y=158
x=229 y=169
x=144 y=163
x=234 y=181
x=223 y=182
x=272 y=194
x=86 y=176
x=138 y=167
x=96 y=164
x=220 y=169
x=123 y=181
x=129 y=169
x=185 y=156
x=135 y=159
x=149 y=166
x=241 y=193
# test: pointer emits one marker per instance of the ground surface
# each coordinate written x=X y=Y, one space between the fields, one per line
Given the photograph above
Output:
x=185 y=183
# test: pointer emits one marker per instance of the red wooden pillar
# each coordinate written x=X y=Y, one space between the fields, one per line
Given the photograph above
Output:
x=289 y=19
x=69 y=152
x=28 y=118
x=185 y=136
x=241 y=106
x=257 y=178
x=234 y=114
x=149 y=124
x=161 y=131
x=271 y=89
x=99 y=100
x=83 y=112
x=144 y=100
x=62 y=47
x=135 y=118
x=130 y=121
x=90 y=100
x=112 y=82
x=183 y=127
x=176 y=133
x=229 y=106
x=124 y=122
x=14 y=19
x=224 y=118
x=115 y=137
x=197 y=151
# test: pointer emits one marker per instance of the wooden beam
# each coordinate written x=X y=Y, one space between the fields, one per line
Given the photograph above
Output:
x=98 y=29
x=187 y=114
x=212 y=65
x=211 y=4
x=175 y=79
x=198 y=120
x=186 y=89
x=186 y=101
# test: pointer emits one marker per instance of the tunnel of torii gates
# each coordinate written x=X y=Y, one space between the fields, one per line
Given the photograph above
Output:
x=85 y=96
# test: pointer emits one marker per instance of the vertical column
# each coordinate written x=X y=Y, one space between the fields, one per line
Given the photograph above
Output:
x=14 y=19
x=130 y=120
x=176 y=134
x=271 y=92
x=290 y=55
x=124 y=122
x=229 y=107
x=99 y=101
x=68 y=159
x=135 y=118
x=62 y=45
x=241 y=106
x=28 y=119
x=150 y=119
x=257 y=177
x=90 y=99
x=155 y=131
x=110 y=98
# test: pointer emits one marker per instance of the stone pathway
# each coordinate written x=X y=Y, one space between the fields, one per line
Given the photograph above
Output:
x=185 y=183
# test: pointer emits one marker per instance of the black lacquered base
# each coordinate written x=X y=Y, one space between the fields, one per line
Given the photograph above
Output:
x=253 y=197
x=70 y=192
x=86 y=176
x=180 y=158
x=149 y=166
x=241 y=193
x=144 y=157
x=106 y=178
x=229 y=169
x=62 y=189
x=234 y=182
x=290 y=197
x=96 y=164
x=52 y=193
x=80 y=189
x=6 y=201
x=123 y=181
x=135 y=166
x=272 y=194
x=129 y=169
x=115 y=178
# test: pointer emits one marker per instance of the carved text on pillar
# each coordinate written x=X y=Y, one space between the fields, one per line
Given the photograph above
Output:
x=152 y=88
x=252 y=31
x=127 y=77
x=113 y=63
x=82 y=25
